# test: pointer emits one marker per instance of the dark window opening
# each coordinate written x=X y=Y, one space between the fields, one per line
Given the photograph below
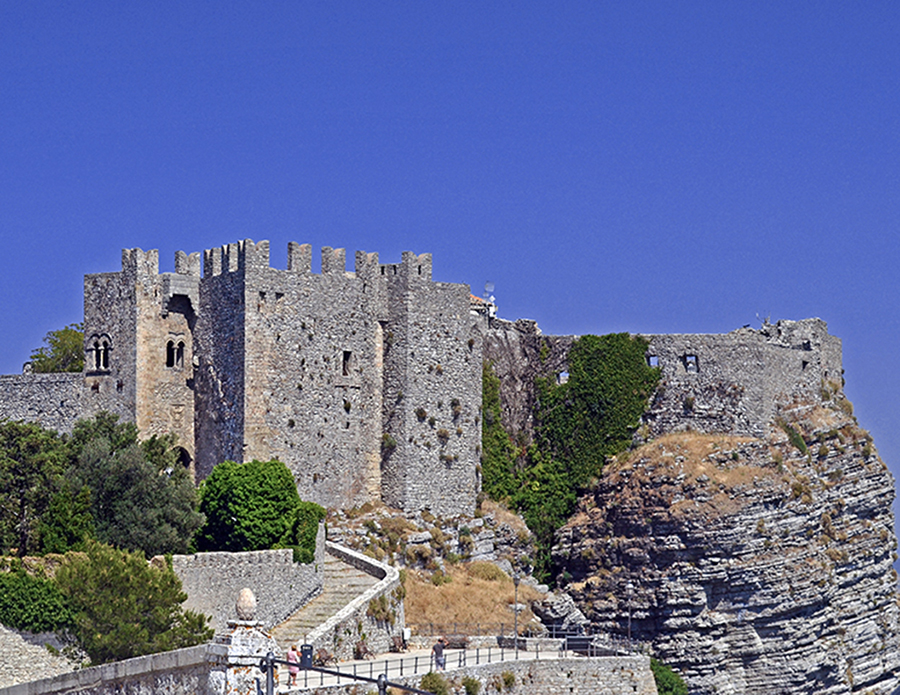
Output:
x=653 y=360
x=562 y=377
x=179 y=356
x=97 y=356
x=170 y=354
x=184 y=458
x=804 y=365
x=262 y=296
x=807 y=345
x=279 y=295
x=690 y=364
x=420 y=270
x=382 y=270
x=345 y=364
x=104 y=356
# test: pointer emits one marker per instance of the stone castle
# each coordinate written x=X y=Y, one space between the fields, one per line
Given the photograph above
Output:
x=367 y=384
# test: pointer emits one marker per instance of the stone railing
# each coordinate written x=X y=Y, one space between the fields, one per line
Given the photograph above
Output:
x=355 y=623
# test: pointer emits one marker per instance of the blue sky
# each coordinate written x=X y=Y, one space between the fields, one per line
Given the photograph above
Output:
x=639 y=166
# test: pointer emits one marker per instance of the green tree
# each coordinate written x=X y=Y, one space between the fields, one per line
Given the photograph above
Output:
x=67 y=524
x=32 y=461
x=141 y=498
x=63 y=351
x=667 y=681
x=122 y=606
x=255 y=506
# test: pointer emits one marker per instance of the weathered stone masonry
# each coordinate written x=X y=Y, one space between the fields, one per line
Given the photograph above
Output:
x=329 y=372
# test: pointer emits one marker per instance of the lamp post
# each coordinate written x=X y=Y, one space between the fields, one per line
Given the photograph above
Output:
x=629 y=592
x=516 y=580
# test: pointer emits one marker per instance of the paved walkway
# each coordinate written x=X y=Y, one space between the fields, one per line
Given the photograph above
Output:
x=411 y=663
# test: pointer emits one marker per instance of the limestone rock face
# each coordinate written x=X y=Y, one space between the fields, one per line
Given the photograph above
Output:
x=757 y=567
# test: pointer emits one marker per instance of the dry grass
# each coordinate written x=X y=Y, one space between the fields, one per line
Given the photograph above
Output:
x=470 y=597
x=503 y=515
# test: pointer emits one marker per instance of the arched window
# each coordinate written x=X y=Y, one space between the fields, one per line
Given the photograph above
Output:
x=179 y=355
x=170 y=354
x=104 y=356
x=98 y=358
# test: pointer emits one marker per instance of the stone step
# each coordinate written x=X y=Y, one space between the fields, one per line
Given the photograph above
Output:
x=341 y=584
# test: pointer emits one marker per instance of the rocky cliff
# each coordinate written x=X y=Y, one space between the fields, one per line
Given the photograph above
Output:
x=757 y=565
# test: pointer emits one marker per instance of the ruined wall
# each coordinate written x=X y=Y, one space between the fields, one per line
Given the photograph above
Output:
x=735 y=382
x=52 y=400
x=519 y=353
x=213 y=581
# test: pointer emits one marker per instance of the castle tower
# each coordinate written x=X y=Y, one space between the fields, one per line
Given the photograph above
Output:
x=138 y=328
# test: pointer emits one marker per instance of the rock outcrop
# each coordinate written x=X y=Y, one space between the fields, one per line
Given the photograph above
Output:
x=757 y=565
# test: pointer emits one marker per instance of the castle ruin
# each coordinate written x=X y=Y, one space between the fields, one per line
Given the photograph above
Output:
x=367 y=384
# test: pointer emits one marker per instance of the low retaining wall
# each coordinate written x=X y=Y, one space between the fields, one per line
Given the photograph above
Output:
x=354 y=624
x=576 y=676
x=212 y=582
x=180 y=672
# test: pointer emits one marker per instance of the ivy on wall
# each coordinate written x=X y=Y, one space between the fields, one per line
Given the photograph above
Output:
x=579 y=423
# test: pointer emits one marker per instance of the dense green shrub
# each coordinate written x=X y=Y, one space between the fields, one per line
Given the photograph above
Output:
x=667 y=681
x=498 y=454
x=434 y=683
x=31 y=603
x=122 y=606
x=471 y=685
x=255 y=506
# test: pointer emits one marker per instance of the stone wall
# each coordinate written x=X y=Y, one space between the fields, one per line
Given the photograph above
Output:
x=519 y=353
x=195 y=670
x=736 y=382
x=52 y=400
x=577 y=676
x=212 y=582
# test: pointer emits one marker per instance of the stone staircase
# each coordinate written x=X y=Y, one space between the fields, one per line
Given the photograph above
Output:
x=342 y=583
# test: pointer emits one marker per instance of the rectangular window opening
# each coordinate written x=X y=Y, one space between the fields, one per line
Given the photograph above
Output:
x=345 y=364
x=653 y=360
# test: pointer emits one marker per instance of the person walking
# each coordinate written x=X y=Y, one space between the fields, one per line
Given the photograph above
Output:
x=293 y=656
x=440 y=660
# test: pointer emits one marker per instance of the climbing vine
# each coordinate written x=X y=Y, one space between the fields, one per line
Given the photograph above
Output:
x=579 y=423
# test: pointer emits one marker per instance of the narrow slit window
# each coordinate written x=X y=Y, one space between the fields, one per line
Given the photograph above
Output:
x=104 y=356
x=690 y=364
x=97 y=356
x=170 y=354
x=179 y=356
x=345 y=363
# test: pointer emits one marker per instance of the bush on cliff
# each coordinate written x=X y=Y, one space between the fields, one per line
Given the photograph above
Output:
x=579 y=423
x=255 y=506
x=122 y=606
x=667 y=681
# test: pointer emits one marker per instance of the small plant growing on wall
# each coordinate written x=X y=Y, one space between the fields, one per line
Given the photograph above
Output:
x=421 y=413
x=443 y=436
